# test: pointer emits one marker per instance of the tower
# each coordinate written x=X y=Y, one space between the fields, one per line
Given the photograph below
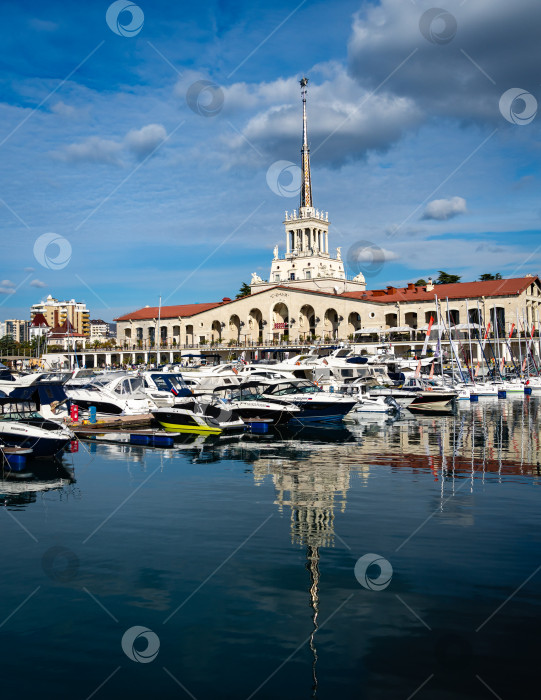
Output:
x=307 y=263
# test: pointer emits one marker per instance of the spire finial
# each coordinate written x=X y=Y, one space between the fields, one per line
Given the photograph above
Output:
x=306 y=186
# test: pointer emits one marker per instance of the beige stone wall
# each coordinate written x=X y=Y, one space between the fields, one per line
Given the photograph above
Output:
x=254 y=317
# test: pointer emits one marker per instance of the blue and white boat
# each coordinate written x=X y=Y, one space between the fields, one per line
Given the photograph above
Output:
x=314 y=403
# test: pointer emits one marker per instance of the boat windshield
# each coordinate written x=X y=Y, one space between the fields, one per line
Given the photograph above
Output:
x=300 y=388
x=15 y=410
x=168 y=382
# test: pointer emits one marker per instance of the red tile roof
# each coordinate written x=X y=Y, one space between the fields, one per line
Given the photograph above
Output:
x=458 y=290
x=64 y=331
x=39 y=321
x=183 y=310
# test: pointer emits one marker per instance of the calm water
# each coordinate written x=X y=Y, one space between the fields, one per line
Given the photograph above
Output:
x=238 y=558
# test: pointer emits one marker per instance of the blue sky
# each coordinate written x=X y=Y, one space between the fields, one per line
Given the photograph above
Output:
x=411 y=154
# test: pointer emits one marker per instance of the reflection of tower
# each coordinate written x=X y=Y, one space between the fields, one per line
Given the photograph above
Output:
x=311 y=488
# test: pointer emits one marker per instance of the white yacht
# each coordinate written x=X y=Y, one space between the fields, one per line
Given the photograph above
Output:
x=12 y=380
x=22 y=426
x=122 y=395
x=315 y=404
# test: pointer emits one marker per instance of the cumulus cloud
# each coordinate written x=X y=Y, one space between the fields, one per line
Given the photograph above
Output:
x=37 y=283
x=138 y=143
x=496 y=47
x=443 y=209
x=68 y=111
x=143 y=141
x=345 y=121
x=92 y=150
x=7 y=287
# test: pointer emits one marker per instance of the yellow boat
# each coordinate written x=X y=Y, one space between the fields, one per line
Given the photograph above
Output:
x=191 y=415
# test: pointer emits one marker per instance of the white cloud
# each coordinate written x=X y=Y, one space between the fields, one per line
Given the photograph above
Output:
x=443 y=209
x=7 y=287
x=37 y=283
x=462 y=76
x=143 y=141
x=345 y=121
x=92 y=150
x=137 y=142
x=69 y=111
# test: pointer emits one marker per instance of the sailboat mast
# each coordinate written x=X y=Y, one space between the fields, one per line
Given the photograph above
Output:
x=439 y=335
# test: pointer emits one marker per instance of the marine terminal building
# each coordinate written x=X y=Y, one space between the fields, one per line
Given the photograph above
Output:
x=308 y=296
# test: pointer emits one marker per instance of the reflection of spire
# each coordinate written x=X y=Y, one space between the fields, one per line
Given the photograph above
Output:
x=312 y=564
x=306 y=186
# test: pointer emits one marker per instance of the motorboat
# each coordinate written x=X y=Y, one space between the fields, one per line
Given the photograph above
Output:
x=163 y=388
x=13 y=380
x=122 y=395
x=203 y=415
x=433 y=402
x=314 y=403
x=248 y=402
x=22 y=426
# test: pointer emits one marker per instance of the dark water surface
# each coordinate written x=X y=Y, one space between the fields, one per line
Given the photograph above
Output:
x=238 y=558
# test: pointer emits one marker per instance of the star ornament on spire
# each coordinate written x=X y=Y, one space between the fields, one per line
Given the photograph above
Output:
x=304 y=82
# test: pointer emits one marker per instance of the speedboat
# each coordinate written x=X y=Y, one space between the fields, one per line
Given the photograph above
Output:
x=433 y=402
x=122 y=395
x=314 y=403
x=249 y=403
x=202 y=415
x=10 y=380
x=163 y=388
x=22 y=426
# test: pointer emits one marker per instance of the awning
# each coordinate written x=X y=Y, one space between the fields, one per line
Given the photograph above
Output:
x=399 y=329
x=366 y=331
x=435 y=327
x=466 y=327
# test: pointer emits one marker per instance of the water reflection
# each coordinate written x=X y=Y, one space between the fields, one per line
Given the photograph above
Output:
x=19 y=490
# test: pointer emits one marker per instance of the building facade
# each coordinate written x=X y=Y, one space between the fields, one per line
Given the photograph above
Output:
x=58 y=312
x=309 y=297
x=16 y=329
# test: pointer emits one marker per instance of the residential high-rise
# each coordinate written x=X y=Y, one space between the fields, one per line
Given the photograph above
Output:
x=16 y=329
x=58 y=312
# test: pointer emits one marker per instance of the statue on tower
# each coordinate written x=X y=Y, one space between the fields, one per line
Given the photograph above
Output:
x=255 y=278
x=339 y=253
x=276 y=252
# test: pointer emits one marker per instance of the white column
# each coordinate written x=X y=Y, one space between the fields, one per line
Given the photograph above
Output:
x=326 y=242
x=288 y=235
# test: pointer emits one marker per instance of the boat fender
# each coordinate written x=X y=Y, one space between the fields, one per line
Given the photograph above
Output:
x=297 y=363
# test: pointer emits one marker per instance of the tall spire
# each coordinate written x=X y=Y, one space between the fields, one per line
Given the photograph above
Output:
x=306 y=186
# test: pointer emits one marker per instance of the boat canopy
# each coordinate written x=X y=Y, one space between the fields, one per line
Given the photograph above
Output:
x=40 y=394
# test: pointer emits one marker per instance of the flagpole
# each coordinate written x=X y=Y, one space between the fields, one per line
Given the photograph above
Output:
x=159 y=336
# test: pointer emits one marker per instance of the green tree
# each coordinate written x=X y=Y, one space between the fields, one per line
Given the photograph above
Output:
x=244 y=291
x=420 y=283
x=487 y=276
x=446 y=278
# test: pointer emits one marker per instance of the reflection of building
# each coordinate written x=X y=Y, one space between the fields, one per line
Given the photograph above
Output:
x=312 y=489
x=309 y=294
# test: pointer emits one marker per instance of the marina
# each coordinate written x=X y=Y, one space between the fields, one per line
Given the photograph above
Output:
x=276 y=524
x=270 y=351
